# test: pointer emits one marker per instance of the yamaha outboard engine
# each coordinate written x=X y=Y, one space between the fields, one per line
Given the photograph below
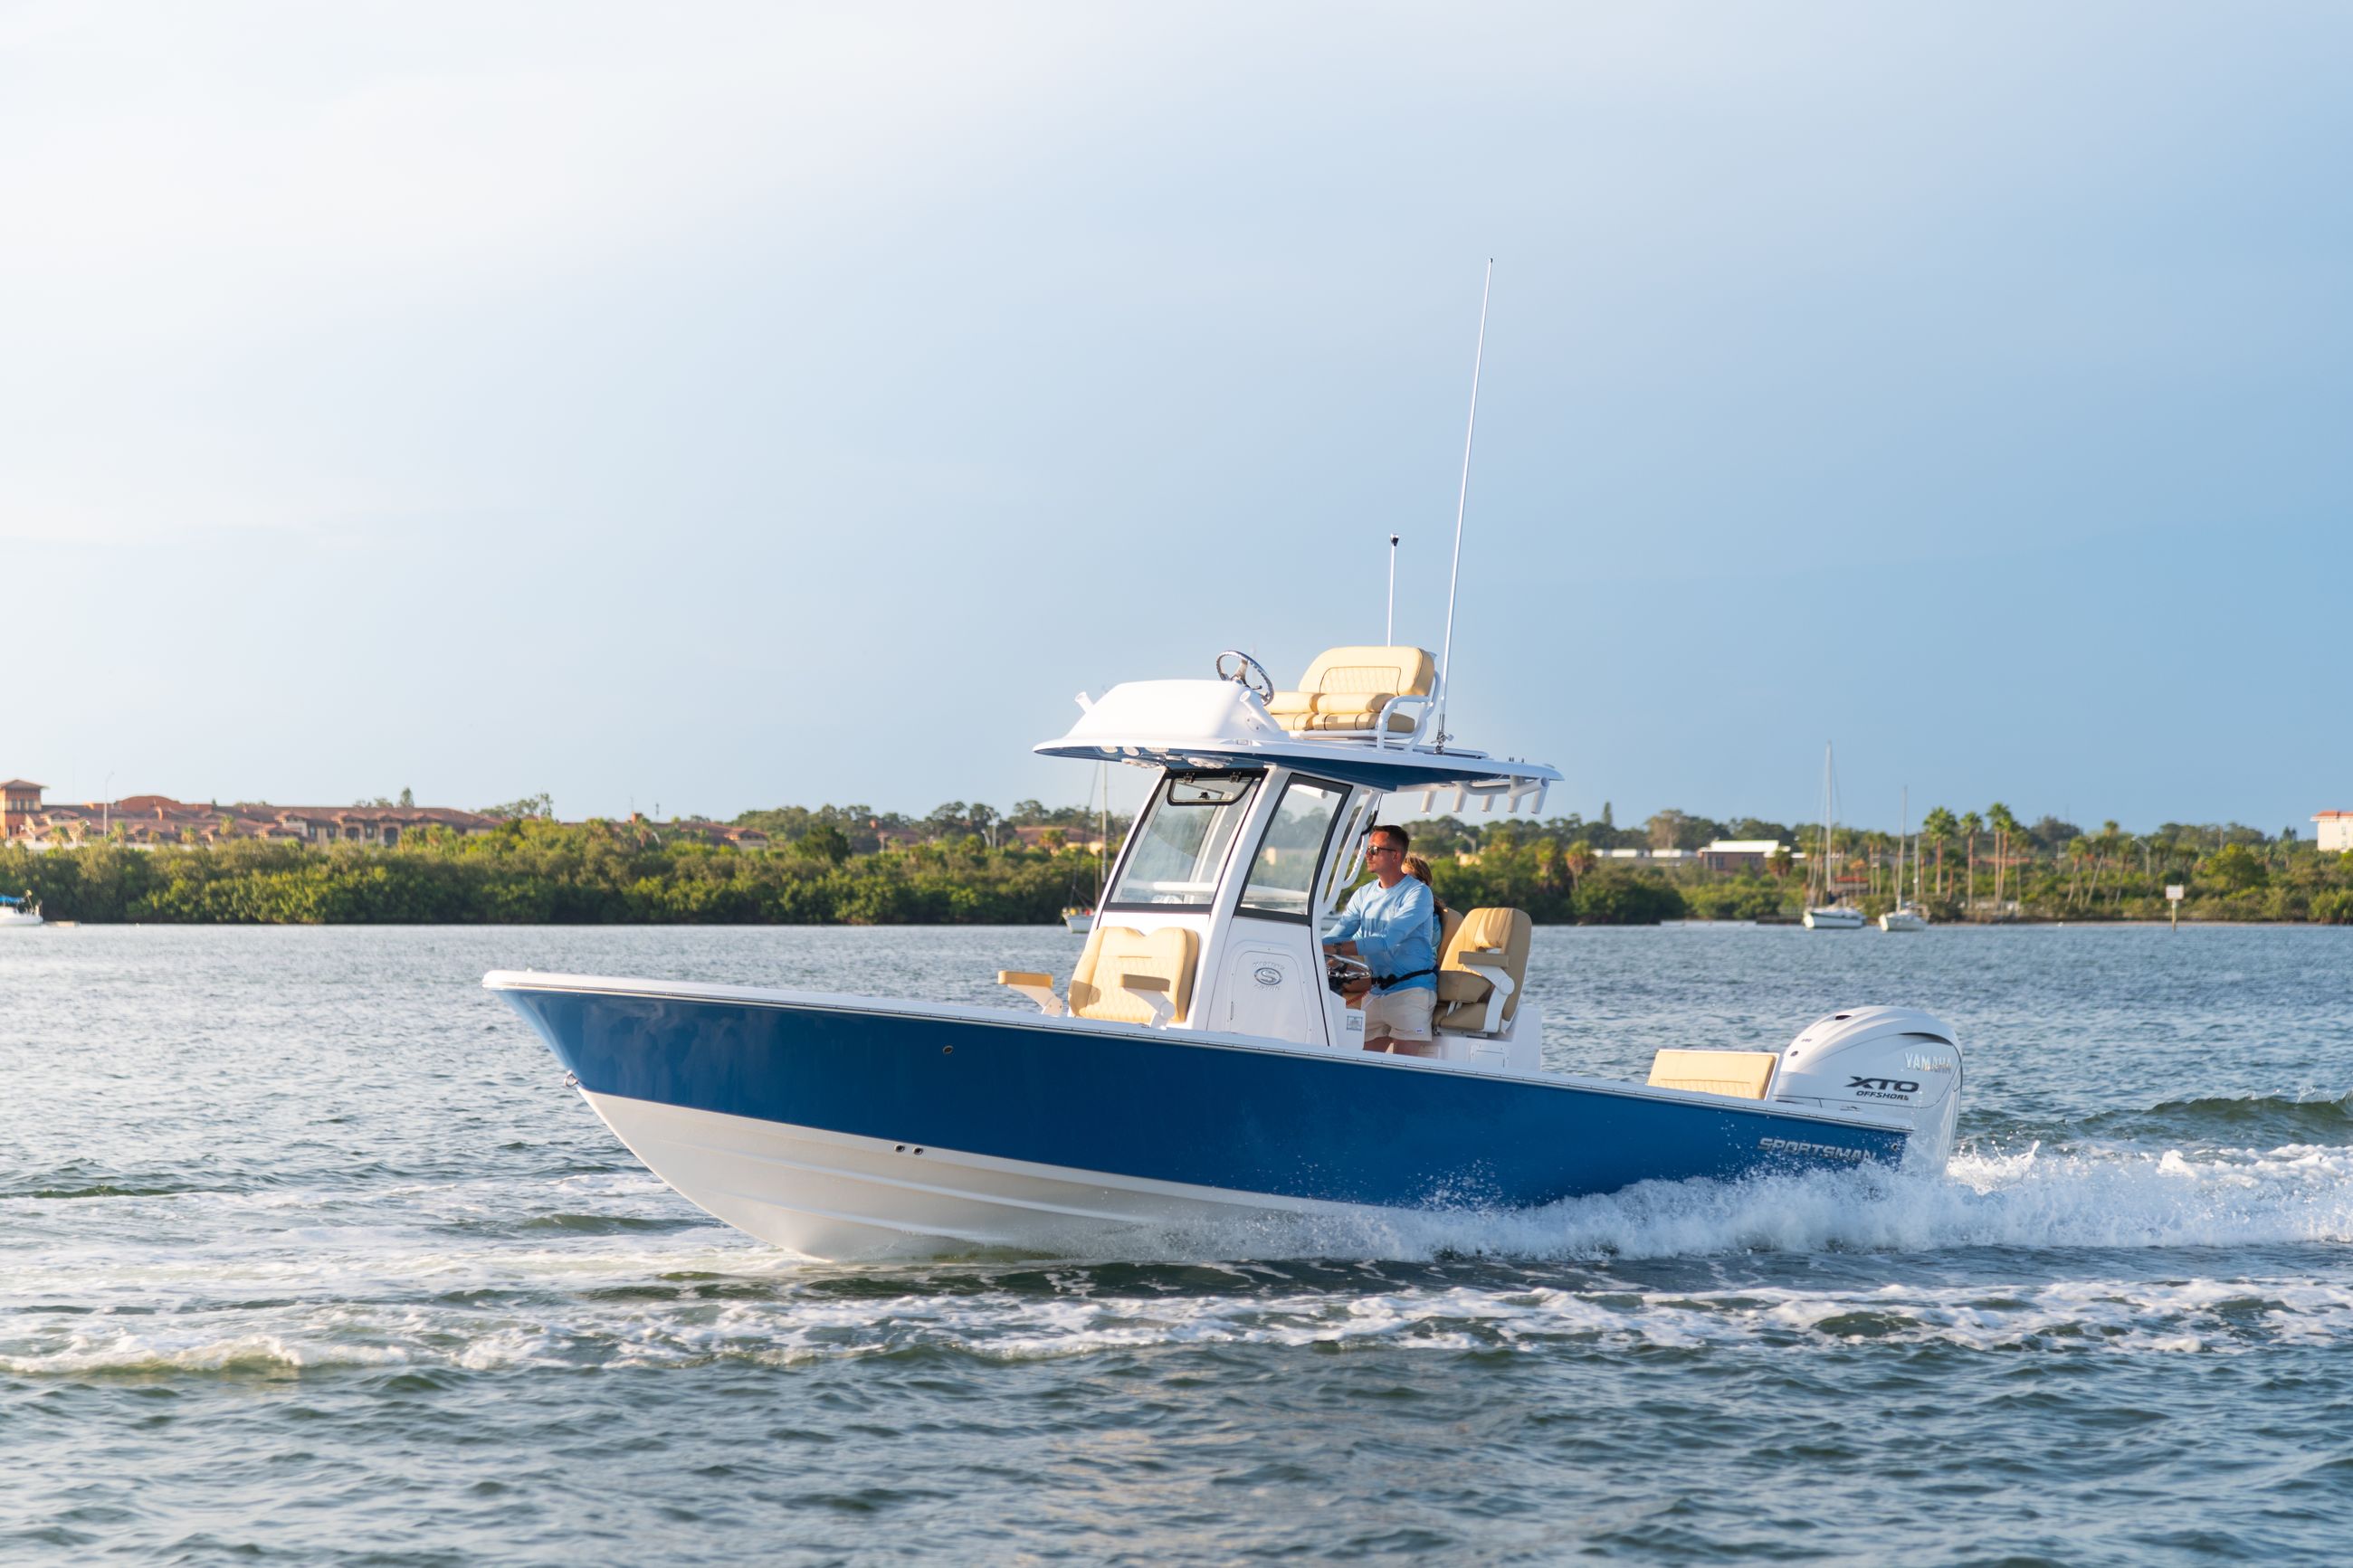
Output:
x=1885 y=1058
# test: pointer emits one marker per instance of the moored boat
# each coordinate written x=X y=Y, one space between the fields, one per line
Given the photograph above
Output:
x=1198 y=1063
x=1824 y=909
x=1905 y=916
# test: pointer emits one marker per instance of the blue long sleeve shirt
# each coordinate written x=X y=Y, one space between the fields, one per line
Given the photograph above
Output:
x=1391 y=927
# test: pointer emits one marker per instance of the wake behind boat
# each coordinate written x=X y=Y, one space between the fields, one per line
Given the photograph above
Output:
x=1198 y=1064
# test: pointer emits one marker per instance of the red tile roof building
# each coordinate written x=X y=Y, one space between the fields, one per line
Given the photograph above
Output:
x=158 y=821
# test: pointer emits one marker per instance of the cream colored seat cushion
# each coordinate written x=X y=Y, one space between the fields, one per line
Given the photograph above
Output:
x=1463 y=991
x=1743 y=1074
x=1113 y=952
x=1346 y=687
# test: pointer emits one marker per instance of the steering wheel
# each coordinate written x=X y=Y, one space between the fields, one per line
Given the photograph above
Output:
x=1241 y=674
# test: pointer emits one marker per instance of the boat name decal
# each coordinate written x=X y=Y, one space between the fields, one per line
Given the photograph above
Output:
x=1267 y=974
x=1793 y=1146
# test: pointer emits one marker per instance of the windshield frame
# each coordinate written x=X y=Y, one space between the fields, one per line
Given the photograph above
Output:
x=1139 y=838
x=1244 y=907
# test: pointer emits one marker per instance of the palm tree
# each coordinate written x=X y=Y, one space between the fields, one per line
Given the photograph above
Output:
x=2110 y=845
x=1576 y=860
x=1938 y=824
x=1973 y=825
x=2005 y=828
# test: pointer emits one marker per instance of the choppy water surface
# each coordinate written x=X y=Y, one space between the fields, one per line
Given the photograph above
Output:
x=308 y=1255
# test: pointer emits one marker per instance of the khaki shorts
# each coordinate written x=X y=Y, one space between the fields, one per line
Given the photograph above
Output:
x=1400 y=1015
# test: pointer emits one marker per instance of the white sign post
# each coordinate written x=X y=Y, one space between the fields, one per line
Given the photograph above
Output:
x=2173 y=903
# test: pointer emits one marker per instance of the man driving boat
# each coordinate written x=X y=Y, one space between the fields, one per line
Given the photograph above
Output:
x=1388 y=925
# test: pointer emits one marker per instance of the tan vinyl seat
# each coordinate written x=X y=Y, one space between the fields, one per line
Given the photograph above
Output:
x=1346 y=687
x=1743 y=1074
x=1115 y=953
x=1496 y=940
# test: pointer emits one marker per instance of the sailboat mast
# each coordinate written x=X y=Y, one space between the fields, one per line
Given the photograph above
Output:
x=1902 y=831
x=1822 y=843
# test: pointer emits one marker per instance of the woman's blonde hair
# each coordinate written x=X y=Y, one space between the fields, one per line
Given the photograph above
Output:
x=1418 y=869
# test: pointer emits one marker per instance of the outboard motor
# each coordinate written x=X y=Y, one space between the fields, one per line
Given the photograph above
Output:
x=1886 y=1058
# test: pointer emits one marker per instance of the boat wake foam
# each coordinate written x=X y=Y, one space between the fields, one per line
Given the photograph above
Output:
x=2087 y=1197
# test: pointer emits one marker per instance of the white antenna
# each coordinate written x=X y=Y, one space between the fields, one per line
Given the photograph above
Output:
x=1462 y=500
x=1388 y=638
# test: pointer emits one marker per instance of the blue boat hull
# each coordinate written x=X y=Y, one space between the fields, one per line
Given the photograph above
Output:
x=1126 y=1109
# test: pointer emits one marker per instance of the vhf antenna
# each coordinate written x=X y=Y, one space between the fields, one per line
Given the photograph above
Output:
x=1388 y=638
x=1462 y=499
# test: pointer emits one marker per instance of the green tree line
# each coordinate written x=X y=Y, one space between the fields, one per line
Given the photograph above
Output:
x=538 y=872
x=531 y=870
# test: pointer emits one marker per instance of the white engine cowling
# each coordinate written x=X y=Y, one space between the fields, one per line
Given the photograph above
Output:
x=1879 y=1059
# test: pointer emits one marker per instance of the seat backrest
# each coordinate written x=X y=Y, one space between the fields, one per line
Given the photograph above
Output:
x=1510 y=929
x=1112 y=951
x=1398 y=671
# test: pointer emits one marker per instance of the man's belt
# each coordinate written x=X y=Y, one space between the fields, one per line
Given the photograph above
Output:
x=1390 y=981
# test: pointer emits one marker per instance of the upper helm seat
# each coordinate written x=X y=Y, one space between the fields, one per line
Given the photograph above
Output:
x=1347 y=688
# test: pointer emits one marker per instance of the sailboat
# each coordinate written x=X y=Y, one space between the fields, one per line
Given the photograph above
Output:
x=1823 y=911
x=1081 y=921
x=1904 y=916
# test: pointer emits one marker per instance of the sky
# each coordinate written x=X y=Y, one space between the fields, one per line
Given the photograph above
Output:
x=703 y=409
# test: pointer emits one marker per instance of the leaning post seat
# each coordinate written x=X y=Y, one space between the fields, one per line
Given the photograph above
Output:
x=1117 y=954
x=1482 y=971
x=1349 y=687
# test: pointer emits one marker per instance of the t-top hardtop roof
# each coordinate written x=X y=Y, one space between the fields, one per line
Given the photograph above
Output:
x=1212 y=724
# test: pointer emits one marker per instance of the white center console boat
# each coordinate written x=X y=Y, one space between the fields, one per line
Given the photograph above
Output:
x=1194 y=1063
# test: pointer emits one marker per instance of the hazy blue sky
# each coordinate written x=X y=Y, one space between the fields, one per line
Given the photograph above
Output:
x=721 y=406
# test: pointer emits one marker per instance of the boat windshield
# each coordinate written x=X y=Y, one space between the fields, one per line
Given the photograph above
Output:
x=1283 y=870
x=1182 y=841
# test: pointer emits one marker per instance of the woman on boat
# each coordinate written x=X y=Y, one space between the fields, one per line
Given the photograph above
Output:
x=1418 y=869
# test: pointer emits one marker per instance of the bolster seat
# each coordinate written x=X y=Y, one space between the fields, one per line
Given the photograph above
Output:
x=1346 y=688
x=1487 y=944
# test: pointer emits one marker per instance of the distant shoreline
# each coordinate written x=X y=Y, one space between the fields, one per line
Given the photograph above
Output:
x=536 y=872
